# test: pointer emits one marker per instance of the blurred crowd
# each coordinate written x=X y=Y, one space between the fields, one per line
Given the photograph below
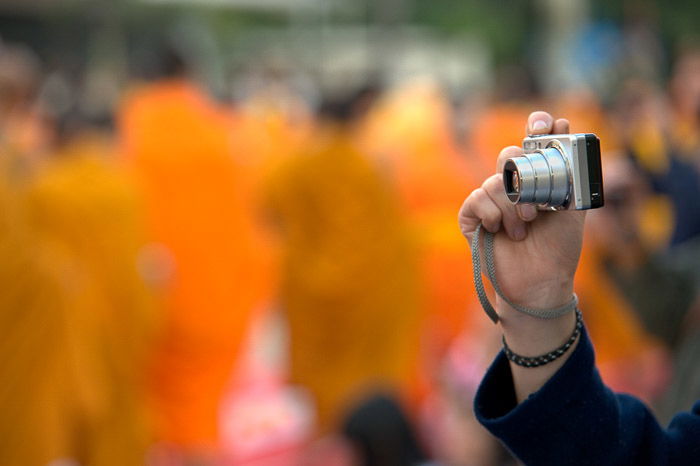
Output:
x=272 y=281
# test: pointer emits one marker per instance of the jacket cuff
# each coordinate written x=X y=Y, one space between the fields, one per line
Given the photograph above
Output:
x=496 y=406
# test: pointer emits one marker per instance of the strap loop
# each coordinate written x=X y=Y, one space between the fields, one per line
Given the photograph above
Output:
x=491 y=275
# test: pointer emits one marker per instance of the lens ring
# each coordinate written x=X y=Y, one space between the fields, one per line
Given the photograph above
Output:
x=543 y=181
x=540 y=177
x=522 y=169
x=559 y=177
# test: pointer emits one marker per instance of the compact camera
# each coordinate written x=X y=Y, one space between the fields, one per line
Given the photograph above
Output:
x=556 y=172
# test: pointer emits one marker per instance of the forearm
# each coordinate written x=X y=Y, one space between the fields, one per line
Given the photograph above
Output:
x=572 y=419
x=531 y=336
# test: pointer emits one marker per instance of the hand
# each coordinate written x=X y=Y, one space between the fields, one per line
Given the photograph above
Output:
x=536 y=253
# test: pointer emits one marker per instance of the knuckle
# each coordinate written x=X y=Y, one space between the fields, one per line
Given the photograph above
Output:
x=479 y=195
x=494 y=183
x=468 y=228
x=492 y=213
x=508 y=151
x=493 y=219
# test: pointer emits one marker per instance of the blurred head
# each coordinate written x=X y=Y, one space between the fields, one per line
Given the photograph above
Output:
x=382 y=434
x=349 y=108
x=161 y=60
x=685 y=80
x=616 y=227
x=19 y=77
x=515 y=82
x=640 y=105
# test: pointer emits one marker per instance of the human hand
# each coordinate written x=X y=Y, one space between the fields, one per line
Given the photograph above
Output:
x=536 y=252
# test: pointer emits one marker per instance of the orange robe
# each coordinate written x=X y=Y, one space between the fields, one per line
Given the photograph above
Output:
x=68 y=248
x=497 y=126
x=408 y=134
x=628 y=357
x=348 y=291
x=33 y=338
x=179 y=147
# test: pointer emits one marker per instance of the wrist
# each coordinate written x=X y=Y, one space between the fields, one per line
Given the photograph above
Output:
x=532 y=339
x=531 y=336
x=545 y=295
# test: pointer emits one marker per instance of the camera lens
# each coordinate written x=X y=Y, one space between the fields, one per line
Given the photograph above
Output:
x=512 y=172
x=540 y=177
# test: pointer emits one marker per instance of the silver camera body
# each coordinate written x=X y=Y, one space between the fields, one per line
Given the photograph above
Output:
x=556 y=172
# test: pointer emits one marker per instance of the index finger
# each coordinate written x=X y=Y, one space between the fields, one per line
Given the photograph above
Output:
x=527 y=212
x=508 y=152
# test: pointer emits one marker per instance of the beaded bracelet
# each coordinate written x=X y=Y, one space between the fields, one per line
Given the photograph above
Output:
x=549 y=357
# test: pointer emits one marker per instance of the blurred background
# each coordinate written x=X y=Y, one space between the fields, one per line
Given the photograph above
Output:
x=228 y=228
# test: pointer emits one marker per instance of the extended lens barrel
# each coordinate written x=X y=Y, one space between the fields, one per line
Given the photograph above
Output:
x=540 y=177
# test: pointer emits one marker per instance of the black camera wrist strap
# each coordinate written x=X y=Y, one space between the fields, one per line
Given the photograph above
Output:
x=491 y=275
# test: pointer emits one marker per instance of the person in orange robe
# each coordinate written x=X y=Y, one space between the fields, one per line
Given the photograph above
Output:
x=35 y=401
x=75 y=313
x=408 y=136
x=349 y=279
x=177 y=142
x=83 y=208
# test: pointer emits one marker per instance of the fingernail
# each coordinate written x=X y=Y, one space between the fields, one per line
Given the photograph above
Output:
x=519 y=232
x=528 y=211
x=538 y=125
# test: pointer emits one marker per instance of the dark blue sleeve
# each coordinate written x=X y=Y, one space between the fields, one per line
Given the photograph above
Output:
x=574 y=419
